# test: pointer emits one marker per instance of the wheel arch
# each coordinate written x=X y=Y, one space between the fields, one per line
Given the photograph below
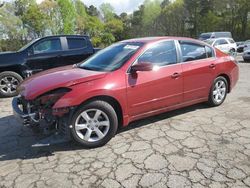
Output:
x=16 y=69
x=112 y=101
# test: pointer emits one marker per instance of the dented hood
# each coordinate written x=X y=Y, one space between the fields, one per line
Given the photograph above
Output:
x=46 y=81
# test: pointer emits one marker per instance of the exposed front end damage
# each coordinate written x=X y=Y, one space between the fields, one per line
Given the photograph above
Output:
x=40 y=115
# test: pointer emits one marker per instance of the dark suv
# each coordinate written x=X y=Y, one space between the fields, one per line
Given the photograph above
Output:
x=41 y=54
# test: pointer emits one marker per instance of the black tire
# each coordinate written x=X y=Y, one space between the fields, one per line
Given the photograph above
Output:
x=211 y=100
x=246 y=60
x=9 y=74
x=232 y=50
x=112 y=116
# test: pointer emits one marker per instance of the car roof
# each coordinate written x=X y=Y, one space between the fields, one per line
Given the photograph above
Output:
x=78 y=36
x=155 y=39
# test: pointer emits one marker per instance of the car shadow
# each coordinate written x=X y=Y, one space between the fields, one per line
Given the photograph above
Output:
x=16 y=140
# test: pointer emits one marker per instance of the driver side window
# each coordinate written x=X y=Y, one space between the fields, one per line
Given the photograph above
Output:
x=161 y=54
x=47 y=46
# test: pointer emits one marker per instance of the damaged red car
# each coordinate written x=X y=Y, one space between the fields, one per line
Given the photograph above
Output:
x=126 y=81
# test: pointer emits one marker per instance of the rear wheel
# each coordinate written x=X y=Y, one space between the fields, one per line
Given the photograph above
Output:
x=94 y=124
x=218 y=91
x=9 y=82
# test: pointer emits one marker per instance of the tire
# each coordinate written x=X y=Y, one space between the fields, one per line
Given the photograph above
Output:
x=8 y=83
x=246 y=60
x=87 y=125
x=212 y=100
x=232 y=51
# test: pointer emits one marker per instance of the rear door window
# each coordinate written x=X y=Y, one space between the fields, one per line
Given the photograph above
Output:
x=192 y=51
x=209 y=51
x=76 y=43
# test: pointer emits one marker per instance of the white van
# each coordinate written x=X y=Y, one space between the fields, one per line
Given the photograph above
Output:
x=213 y=35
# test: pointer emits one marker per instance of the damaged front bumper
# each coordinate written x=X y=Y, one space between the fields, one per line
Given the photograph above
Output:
x=60 y=133
x=22 y=112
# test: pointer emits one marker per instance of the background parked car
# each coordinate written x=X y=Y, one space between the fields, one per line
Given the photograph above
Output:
x=226 y=45
x=212 y=35
x=246 y=54
x=240 y=46
x=41 y=54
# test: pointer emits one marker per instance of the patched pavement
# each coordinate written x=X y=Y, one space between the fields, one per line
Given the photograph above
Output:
x=192 y=147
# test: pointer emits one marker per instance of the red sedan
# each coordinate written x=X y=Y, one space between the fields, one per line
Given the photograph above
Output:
x=126 y=81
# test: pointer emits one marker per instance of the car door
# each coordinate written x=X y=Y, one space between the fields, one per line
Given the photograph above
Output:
x=160 y=87
x=198 y=66
x=44 y=54
x=78 y=49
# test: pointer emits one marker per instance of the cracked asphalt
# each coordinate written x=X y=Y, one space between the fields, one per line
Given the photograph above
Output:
x=196 y=146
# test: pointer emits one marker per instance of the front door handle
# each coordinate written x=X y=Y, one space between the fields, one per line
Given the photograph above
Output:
x=212 y=66
x=176 y=75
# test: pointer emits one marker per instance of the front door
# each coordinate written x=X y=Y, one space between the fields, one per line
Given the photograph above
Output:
x=159 y=88
x=44 y=55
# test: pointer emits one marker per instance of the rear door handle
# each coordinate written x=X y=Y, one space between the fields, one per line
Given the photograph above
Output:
x=212 y=66
x=176 y=75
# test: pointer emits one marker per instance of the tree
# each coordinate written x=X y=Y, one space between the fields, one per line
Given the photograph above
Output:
x=53 y=21
x=172 y=19
x=92 y=11
x=68 y=14
x=12 y=32
x=114 y=27
x=81 y=17
x=107 y=11
x=35 y=20
x=152 y=9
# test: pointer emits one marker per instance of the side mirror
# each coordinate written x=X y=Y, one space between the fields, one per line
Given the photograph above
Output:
x=143 y=66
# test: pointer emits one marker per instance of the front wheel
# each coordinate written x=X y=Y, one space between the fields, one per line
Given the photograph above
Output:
x=94 y=124
x=218 y=91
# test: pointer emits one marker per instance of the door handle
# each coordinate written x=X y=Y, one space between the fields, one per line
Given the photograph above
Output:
x=212 y=66
x=176 y=75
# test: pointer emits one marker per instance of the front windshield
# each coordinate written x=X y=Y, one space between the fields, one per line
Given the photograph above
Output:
x=27 y=45
x=112 y=57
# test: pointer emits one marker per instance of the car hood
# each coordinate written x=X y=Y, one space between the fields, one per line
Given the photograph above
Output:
x=46 y=81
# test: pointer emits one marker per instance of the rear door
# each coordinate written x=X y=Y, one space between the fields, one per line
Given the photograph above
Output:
x=77 y=50
x=198 y=66
x=44 y=54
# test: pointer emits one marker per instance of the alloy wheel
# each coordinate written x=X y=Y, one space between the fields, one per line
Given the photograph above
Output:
x=92 y=125
x=219 y=91
x=8 y=85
